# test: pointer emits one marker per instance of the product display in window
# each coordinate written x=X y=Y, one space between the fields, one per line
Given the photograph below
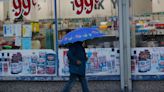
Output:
x=148 y=33
x=27 y=36
x=106 y=25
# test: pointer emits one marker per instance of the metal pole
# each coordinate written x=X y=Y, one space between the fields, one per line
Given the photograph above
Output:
x=121 y=44
x=56 y=30
x=125 y=49
x=127 y=45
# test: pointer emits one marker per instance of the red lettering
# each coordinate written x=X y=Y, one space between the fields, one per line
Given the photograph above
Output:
x=23 y=7
x=79 y=4
x=26 y=7
x=89 y=6
x=18 y=7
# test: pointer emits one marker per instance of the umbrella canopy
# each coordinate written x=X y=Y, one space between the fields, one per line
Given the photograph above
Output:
x=81 y=34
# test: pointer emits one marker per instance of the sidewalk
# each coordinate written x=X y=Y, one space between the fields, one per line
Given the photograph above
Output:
x=94 y=86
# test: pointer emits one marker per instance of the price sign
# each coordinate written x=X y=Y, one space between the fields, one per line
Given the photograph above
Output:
x=86 y=5
x=22 y=7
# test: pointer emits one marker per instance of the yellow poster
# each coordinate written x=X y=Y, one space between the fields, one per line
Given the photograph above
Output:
x=27 y=31
x=35 y=27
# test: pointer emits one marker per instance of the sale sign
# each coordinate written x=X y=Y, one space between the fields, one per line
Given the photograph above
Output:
x=86 y=5
x=85 y=8
x=22 y=7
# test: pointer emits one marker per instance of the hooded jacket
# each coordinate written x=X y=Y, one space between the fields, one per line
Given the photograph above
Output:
x=77 y=52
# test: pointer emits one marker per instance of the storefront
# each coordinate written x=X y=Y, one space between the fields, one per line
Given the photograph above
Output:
x=132 y=48
x=27 y=40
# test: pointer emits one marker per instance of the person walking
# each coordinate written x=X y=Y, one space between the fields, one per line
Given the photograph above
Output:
x=77 y=64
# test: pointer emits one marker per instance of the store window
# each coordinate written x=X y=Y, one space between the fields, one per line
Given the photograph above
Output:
x=27 y=24
x=103 y=53
x=147 y=38
x=27 y=40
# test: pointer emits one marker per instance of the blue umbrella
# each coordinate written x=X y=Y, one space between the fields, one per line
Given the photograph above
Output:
x=81 y=34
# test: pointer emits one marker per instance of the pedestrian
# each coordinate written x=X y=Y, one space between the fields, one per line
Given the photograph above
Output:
x=77 y=64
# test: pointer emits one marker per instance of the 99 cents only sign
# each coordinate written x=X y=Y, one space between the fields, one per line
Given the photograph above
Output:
x=86 y=6
x=22 y=7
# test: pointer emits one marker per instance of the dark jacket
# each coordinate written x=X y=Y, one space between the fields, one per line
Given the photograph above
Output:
x=77 y=52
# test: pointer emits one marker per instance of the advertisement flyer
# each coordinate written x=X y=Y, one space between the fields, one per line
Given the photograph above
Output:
x=8 y=30
x=26 y=43
x=148 y=61
x=27 y=31
x=18 y=41
x=17 y=29
x=99 y=62
x=28 y=63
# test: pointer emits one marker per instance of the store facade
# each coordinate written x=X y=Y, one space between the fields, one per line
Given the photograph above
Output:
x=131 y=50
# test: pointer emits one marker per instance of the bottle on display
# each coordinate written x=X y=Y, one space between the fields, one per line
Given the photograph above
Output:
x=4 y=63
x=3 y=57
x=65 y=69
x=113 y=59
x=50 y=68
x=134 y=61
x=33 y=63
x=132 y=64
x=0 y=65
x=95 y=62
x=88 y=64
x=5 y=67
x=148 y=60
x=117 y=60
x=15 y=68
x=26 y=60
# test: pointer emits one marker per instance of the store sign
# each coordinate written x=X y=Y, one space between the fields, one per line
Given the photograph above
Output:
x=87 y=6
x=115 y=3
x=22 y=7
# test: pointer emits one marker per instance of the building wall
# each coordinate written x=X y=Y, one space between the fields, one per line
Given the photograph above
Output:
x=140 y=7
x=158 y=5
x=1 y=11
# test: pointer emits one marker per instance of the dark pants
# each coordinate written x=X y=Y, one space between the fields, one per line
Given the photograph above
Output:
x=72 y=80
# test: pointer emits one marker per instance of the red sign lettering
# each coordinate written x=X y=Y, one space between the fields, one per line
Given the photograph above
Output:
x=86 y=5
x=23 y=7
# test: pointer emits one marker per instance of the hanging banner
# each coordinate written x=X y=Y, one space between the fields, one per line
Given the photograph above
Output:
x=86 y=8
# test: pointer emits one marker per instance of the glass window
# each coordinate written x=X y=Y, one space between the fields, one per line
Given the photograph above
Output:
x=103 y=52
x=27 y=24
x=147 y=38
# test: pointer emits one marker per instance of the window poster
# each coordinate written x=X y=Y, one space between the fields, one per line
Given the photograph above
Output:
x=28 y=65
x=26 y=43
x=8 y=30
x=98 y=63
x=17 y=29
x=27 y=31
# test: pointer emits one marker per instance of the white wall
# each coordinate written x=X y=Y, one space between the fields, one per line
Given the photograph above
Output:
x=47 y=9
x=140 y=7
x=158 y=5
x=1 y=11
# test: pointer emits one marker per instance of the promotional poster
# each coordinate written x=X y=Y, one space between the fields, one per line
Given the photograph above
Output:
x=28 y=63
x=99 y=63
